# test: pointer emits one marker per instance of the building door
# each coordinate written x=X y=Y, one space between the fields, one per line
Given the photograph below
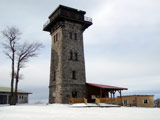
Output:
x=25 y=100
x=3 y=99
x=134 y=102
x=74 y=94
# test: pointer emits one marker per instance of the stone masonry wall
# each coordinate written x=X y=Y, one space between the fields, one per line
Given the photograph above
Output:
x=62 y=88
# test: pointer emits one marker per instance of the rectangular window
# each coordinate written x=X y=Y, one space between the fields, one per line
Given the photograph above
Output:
x=53 y=95
x=75 y=36
x=73 y=74
x=57 y=37
x=71 y=55
x=145 y=101
x=54 y=38
x=125 y=102
x=93 y=97
x=70 y=35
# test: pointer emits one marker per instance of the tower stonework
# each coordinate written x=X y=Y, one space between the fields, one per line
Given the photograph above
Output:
x=67 y=71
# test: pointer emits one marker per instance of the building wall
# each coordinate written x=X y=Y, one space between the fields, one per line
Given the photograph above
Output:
x=138 y=100
x=22 y=98
x=62 y=85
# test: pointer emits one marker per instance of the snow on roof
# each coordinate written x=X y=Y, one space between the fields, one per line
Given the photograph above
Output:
x=8 y=90
x=106 y=86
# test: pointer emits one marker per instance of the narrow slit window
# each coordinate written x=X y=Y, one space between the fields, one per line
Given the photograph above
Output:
x=70 y=35
x=76 y=56
x=57 y=37
x=71 y=55
x=54 y=75
x=75 y=36
x=74 y=75
x=54 y=38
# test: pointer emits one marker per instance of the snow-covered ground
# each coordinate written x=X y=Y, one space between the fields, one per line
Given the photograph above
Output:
x=76 y=112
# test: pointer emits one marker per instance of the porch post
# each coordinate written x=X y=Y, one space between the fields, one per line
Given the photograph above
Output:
x=111 y=94
x=100 y=93
x=120 y=96
x=114 y=94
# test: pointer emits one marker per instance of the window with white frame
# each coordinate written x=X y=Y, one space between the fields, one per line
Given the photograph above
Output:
x=145 y=101
x=125 y=102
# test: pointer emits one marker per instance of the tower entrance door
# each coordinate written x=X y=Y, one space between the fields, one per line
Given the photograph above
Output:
x=74 y=94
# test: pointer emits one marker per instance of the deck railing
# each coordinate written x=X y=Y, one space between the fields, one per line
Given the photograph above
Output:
x=88 y=19
x=85 y=18
x=46 y=23
x=117 y=101
x=78 y=100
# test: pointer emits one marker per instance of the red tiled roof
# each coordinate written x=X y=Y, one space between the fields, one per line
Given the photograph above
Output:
x=106 y=86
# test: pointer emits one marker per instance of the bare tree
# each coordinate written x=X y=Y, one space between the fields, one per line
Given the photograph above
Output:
x=19 y=53
x=24 y=52
x=12 y=35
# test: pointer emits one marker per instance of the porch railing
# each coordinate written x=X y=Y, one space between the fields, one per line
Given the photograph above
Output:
x=88 y=19
x=117 y=101
x=46 y=23
x=78 y=100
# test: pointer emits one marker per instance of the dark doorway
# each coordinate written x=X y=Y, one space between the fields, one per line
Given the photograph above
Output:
x=134 y=102
x=3 y=99
x=74 y=94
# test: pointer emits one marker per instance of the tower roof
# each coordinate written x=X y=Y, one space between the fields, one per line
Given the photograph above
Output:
x=67 y=8
x=62 y=13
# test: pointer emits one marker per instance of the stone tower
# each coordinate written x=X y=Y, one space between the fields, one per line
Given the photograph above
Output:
x=67 y=72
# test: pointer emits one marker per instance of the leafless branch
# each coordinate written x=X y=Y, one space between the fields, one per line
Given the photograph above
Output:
x=26 y=51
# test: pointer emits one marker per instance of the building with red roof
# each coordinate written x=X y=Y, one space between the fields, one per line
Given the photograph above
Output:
x=102 y=91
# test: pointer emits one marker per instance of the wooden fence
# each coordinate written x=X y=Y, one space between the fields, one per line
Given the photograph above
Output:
x=117 y=101
x=78 y=100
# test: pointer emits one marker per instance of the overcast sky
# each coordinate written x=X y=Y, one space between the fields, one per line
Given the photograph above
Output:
x=122 y=47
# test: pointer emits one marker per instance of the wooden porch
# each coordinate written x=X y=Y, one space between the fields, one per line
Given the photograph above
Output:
x=96 y=92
